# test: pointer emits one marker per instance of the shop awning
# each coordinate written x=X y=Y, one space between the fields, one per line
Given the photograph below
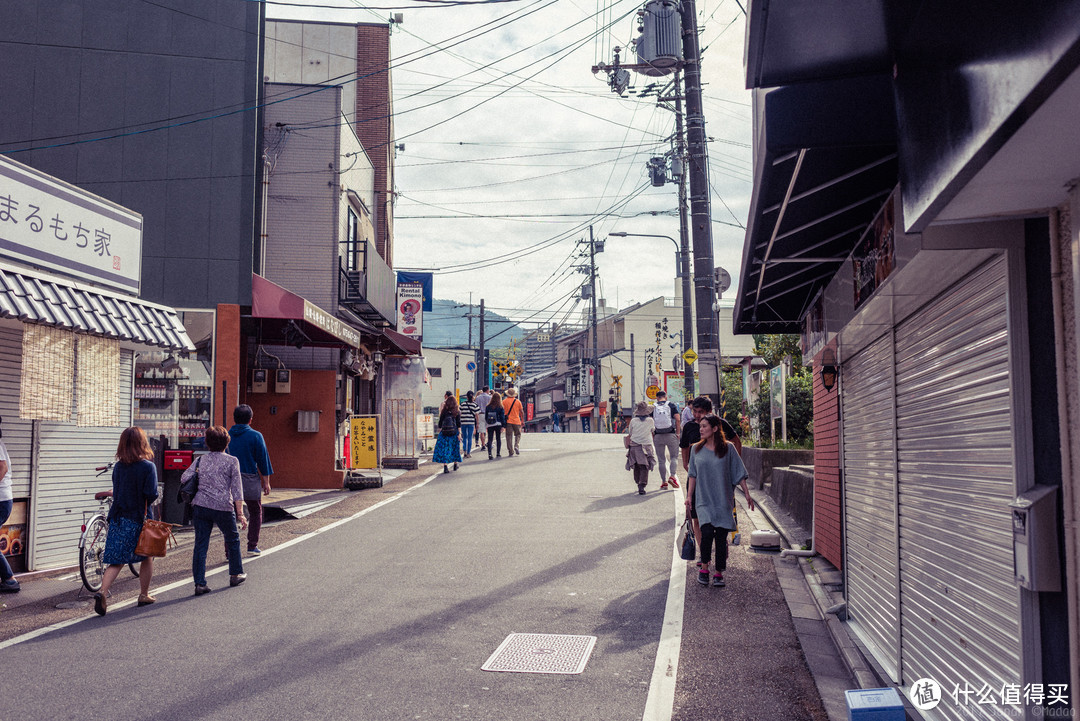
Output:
x=585 y=410
x=825 y=162
x=33 y=298
x=296 y=319
x=403 y=344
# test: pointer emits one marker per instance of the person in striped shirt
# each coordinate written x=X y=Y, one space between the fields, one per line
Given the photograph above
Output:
x=470 y=414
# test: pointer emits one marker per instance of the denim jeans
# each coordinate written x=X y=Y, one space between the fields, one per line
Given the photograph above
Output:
x=467 y=431
x=204 y=520
x=5 y=567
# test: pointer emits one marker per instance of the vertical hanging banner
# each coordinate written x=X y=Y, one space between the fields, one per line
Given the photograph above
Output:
x=410 y=307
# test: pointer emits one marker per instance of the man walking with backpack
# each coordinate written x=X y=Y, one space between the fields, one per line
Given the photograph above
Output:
x=666 y=438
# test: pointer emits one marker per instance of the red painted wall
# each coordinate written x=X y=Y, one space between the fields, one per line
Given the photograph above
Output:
x=827 y=511
x=227 y=362
x=301 y=460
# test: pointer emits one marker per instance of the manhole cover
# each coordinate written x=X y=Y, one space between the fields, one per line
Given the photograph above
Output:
x=541 y=653
x=73 y=604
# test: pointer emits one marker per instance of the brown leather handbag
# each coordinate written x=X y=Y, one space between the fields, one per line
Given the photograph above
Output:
x=154 y=538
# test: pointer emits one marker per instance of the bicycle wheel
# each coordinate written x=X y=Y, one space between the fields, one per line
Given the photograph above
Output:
x=92 y=553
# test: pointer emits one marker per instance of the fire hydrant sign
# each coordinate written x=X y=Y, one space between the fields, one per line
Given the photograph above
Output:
x=363 y=441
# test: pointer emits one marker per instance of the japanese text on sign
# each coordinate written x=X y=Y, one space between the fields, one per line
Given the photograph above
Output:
x=364 y=442
x=51 y=224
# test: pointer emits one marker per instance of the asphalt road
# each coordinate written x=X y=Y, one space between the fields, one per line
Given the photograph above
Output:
x=391 y=614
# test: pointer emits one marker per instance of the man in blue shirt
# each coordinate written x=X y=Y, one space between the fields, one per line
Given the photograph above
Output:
x=248 y=445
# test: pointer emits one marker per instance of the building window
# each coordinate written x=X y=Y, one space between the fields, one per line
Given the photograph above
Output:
x=435 y=372
x=352 y=249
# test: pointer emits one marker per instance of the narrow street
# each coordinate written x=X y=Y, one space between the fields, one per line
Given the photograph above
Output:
x=391 y=613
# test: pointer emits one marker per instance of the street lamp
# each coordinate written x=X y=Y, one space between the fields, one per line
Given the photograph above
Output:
x=682 y=254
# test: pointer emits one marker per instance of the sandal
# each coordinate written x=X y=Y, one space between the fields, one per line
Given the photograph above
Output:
x=146 y=600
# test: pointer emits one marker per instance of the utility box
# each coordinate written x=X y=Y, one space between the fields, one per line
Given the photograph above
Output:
x=259 y=383
x=283 y=381
x=875 y=704
x=1036 y=561
x=659 y=47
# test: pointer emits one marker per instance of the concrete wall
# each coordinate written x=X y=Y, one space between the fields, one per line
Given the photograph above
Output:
x=302 y=234
x=793 y=490
x=760 y=462
x=101 y=72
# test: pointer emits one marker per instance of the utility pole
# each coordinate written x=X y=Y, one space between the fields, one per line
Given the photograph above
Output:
x=470 y=320
x=596 y=349
x=684 y=241
x=633 y=385
x=700 y=207
x=481 y=366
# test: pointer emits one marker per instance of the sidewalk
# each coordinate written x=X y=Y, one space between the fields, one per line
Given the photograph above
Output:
x=283 y=504
x=813 y=588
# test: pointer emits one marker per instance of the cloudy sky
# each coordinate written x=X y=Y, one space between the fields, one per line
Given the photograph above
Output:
x=513 y=147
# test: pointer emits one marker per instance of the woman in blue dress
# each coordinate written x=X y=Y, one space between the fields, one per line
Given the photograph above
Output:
x=447 y=447
x=135 y=487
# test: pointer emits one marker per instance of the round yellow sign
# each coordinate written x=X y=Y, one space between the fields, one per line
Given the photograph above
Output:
x=651 y=392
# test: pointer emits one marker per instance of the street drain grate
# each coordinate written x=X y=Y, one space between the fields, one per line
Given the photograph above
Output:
x=541 y=653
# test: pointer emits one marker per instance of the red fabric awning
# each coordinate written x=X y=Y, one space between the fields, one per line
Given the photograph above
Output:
x=272 y=302
x=585 y=410
x=402 y=343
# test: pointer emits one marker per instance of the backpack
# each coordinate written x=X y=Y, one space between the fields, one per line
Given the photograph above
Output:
x=448 y=427
x=491 y=417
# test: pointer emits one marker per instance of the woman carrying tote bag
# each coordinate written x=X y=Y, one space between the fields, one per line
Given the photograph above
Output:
x=135 y=487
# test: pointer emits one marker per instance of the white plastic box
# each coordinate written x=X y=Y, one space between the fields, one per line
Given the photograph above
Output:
x=768 y=540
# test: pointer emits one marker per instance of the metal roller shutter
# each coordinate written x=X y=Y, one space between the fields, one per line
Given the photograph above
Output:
x=67 y=482
x=17 y=432
x=870 y=500
x=960 y=607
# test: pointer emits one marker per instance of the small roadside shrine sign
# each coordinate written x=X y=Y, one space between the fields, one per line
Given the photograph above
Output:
x=51 y=224
x=364 y=442
x=425 y=426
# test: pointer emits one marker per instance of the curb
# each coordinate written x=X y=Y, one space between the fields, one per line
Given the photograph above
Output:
x=850 y=654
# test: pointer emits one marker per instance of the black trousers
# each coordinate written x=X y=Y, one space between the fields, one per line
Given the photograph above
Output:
x=711 y=534
x=494 y=434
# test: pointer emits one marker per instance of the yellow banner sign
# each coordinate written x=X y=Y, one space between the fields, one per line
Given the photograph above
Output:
x=364 y=442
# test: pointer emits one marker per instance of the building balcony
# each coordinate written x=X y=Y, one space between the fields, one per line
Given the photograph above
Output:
x=371 y=293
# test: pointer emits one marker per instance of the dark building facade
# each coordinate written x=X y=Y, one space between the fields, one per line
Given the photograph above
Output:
x=153 y=106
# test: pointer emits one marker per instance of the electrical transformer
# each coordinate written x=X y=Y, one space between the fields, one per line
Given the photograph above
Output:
x=660 y=43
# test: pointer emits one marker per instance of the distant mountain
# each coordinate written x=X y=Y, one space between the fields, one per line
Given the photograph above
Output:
x=447 y=325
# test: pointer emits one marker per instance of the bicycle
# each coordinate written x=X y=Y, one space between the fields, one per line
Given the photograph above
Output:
x=92 y=541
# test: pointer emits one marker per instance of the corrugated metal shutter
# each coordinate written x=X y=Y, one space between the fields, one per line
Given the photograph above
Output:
x=960 y=608
x=17 y=432
x=870 y=500
x=67 y=483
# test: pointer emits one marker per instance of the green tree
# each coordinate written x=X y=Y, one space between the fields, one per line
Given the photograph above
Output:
x=773 y=348
x=800 y=409
x=733 y=397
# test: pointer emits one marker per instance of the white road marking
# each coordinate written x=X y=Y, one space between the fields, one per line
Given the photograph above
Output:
x=660 y=703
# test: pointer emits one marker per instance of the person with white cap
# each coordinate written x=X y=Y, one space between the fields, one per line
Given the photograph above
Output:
x=639 y=446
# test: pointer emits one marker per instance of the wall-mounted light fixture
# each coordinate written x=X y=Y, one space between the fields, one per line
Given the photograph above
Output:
x=378 y=356
x=829 y=369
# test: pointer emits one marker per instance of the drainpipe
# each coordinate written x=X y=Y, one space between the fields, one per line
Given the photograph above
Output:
x=263 y=234
x=1069 y=498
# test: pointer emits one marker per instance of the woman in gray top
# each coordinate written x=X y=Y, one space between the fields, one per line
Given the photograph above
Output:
x=715 y=469
x=218 y=502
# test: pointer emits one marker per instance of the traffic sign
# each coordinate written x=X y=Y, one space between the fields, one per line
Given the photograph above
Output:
x=689 y=356
x=470 y=366
x=651 y=392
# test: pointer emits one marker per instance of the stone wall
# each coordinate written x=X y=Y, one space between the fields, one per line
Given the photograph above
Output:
x=760 y=463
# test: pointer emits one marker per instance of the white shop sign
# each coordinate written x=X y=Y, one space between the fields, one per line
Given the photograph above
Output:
x=51 y=224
